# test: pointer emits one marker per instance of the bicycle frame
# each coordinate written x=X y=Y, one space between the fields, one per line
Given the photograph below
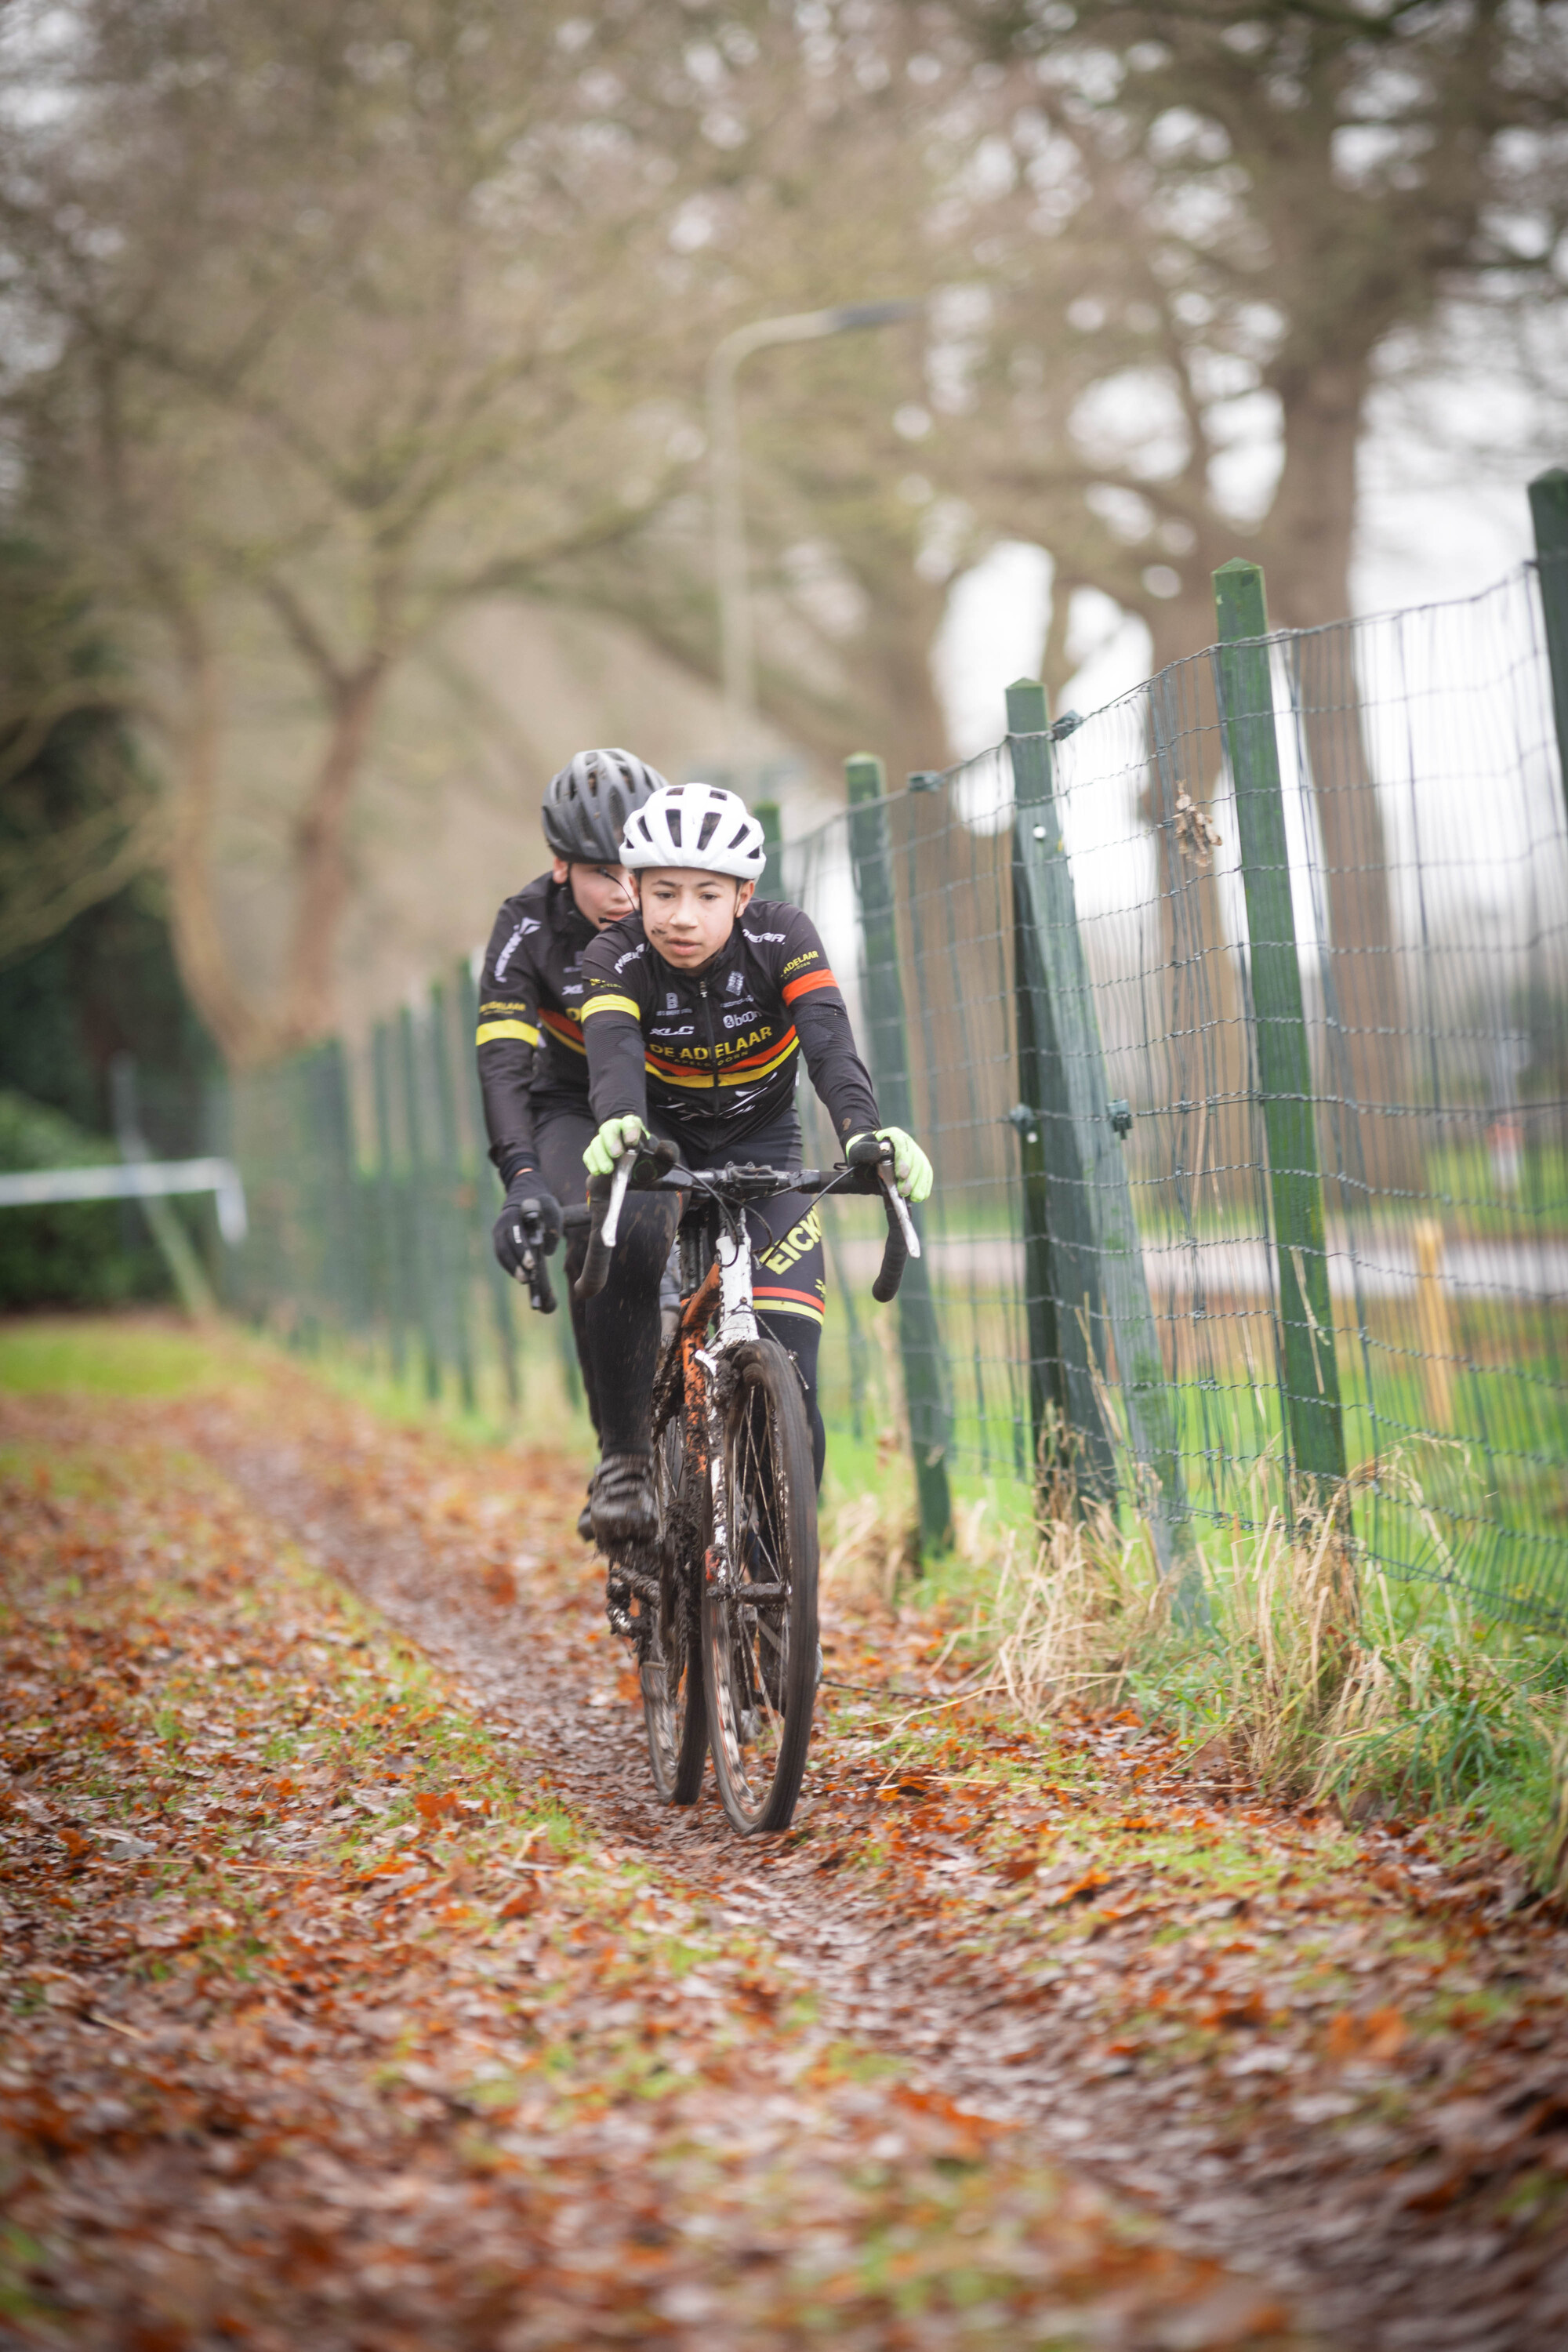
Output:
x=729 y=1274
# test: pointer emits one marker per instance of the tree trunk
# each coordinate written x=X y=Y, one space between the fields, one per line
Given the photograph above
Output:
x=199 y=948
x=320 y=858
x=1308 y=545
x=304 y=1007
x=1209 y=1066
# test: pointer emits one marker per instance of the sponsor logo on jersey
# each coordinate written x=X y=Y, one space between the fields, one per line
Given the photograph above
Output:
x=630 y=956
x=796 y=961
x=672 y=1002
x=763 y=939
x=737 y=982
x=518 y=937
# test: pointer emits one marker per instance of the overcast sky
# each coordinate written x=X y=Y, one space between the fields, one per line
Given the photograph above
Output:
x=1442 y=515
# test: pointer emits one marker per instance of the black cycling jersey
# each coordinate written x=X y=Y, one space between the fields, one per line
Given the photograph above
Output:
x=713 y=1055
x=529 y=1040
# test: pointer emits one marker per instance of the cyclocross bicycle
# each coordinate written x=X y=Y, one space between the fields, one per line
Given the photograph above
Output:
x=721 y=1606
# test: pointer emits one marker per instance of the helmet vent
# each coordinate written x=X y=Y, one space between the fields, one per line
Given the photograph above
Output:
x=709 y=827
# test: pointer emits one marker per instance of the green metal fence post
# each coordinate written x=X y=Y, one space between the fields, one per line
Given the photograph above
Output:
x=771 y=880
x=1061 y=1290
x=456 y=1195
x=341 y=1226
x=465 y=989
x=1549 y=513
x=1244 y=688
x=1076 y=1097
x=418 y=1225
x=389 y=1261
x=919 y=1342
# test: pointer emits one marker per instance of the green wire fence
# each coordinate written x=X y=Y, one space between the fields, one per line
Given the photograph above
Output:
x=1235 y=1020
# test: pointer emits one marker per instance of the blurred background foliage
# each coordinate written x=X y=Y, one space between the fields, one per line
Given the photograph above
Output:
x=353 y=437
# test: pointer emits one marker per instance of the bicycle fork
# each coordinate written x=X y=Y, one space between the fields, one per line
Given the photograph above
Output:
x=737 y=1320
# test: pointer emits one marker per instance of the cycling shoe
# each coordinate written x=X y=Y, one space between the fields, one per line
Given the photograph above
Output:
x=622 y=1502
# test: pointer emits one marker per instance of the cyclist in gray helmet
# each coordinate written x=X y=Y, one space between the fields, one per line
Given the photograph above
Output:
x=586 y=806
x=534 y=1070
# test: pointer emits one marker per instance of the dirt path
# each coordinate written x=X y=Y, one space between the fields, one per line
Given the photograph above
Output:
x=325 y=2019
x=1333 y=2063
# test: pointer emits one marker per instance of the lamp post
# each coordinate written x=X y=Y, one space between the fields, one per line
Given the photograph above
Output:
x=729 y=522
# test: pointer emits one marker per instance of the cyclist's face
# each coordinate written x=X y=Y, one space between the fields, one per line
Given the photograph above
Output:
x=689 y=916
x=603 y=893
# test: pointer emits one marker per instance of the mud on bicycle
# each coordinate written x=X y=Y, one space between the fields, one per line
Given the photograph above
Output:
x=721 y=1605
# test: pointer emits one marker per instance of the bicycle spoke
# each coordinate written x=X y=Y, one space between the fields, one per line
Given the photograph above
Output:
x=670 y=1662
x=759 y=1702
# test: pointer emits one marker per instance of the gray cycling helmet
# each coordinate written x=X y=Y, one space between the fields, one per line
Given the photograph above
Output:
x=587 y=805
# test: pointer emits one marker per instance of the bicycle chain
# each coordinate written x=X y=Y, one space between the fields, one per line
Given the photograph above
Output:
x=624 y=1584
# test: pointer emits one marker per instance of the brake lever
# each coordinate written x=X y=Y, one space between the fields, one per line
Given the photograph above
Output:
x=887 y=1176
x=534 y=1271
x=906 y=1222
x=611 y=1227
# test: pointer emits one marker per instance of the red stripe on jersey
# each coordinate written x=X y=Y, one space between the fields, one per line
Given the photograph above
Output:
x=566 y=1026
x=806 y=983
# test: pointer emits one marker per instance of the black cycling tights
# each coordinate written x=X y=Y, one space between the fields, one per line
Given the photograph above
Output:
x=617 y=1333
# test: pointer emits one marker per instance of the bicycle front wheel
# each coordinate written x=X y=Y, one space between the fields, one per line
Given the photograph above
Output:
x=758 y=1626
x=671 y=1669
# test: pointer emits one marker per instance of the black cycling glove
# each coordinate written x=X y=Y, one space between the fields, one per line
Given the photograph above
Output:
x=526 y=1198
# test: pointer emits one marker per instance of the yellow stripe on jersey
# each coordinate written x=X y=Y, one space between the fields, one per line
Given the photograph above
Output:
x=610 y=1005
x=788 y=1302
x=757 y=1070
x=489 y=1030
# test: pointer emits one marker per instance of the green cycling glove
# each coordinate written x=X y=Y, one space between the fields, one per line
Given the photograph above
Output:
x=911 y=1169
x=617 y=1135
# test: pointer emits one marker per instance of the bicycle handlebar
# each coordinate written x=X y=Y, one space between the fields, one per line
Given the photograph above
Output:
x=903 y=1242
x=869 y=1156
x=603 y=1230
x=869 y=1171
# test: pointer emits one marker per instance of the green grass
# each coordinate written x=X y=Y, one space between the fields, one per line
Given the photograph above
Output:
x=153 y=1355
x=129 y=1356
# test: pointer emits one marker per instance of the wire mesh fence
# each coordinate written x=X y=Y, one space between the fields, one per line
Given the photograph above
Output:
x=1236 y=1021
x=371 y=1198
x=1426 y=872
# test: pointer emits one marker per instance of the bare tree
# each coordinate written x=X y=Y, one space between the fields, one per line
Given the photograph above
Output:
x=825 y=162
x=336 y=316
x=1222 y=227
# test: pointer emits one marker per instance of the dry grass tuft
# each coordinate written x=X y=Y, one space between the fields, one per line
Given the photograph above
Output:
x=875 y=1548
x=1073 y=1613
x=1288 y=1616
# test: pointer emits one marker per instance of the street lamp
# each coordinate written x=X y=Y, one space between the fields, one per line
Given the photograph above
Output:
x=728 y=523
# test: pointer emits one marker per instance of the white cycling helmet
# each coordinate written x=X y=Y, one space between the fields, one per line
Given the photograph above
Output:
x=699 y=825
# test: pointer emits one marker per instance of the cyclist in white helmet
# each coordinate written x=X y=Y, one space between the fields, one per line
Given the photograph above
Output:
x=697 y=1013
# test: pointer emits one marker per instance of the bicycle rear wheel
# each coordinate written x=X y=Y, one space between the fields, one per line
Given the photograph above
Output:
x=671 y=1669
x=759 y=1631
